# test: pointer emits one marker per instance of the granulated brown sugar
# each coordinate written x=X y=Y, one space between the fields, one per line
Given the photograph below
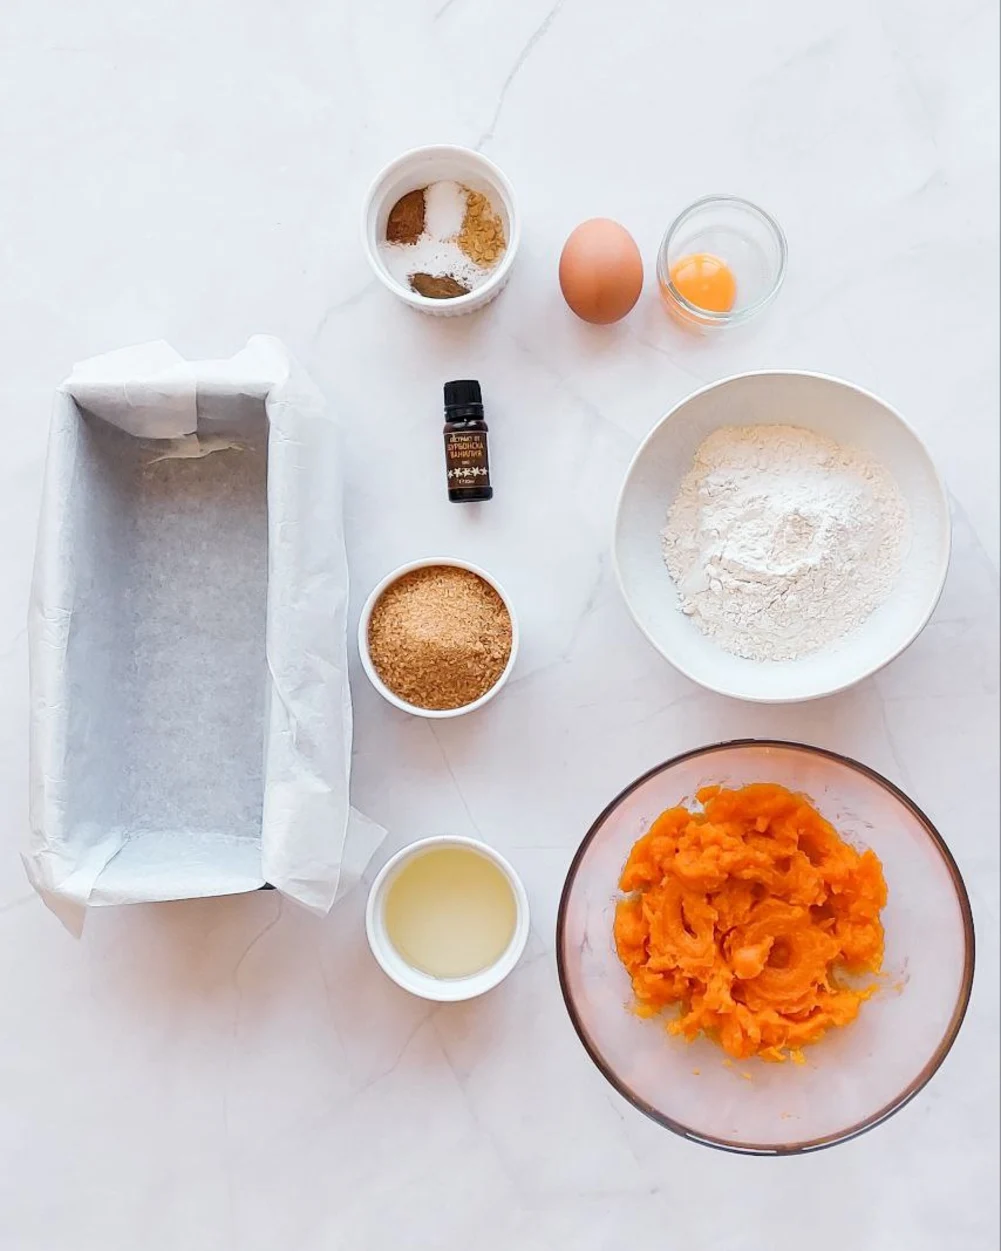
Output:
x=439 y=637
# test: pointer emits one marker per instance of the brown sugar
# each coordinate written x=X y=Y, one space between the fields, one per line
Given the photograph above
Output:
x=440 y=637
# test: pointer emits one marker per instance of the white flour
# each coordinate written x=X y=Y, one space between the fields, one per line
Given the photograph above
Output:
x=782 y=541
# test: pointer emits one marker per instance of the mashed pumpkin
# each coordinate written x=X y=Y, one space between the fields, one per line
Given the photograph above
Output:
x=744 y=914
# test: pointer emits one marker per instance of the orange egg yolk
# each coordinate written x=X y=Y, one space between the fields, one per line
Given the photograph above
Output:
x=705 y=281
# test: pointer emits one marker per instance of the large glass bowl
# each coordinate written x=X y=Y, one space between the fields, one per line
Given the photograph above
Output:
x=856 y=1076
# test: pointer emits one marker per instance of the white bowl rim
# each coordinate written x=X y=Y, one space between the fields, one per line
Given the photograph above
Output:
x=458 y=989
x=453 y=562
x=943 y=570
x=472 y=300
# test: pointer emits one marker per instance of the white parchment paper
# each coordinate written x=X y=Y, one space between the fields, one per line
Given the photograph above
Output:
x=190 y=708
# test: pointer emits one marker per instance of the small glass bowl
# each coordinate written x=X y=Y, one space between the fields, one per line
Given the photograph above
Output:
x=854 y=1078
x=745 y=237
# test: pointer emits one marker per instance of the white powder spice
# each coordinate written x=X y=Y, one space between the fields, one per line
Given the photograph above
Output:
x=432 y=256
x=782 y=541
x=444 y=209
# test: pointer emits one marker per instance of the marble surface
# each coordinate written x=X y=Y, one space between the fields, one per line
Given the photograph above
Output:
x=237 y=1074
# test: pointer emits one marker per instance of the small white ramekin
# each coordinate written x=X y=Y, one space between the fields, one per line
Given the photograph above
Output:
x=442 y=990
x=416 y=169
x=366 y=658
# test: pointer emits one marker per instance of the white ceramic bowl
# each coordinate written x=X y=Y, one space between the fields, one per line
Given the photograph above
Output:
x=366 y=657
x=829 y=407
x=443 y=990
x=416 y=169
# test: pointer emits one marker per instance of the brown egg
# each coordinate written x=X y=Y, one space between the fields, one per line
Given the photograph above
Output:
x=601 y=271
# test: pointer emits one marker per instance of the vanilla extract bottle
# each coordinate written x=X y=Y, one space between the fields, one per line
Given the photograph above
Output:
x=467 y=460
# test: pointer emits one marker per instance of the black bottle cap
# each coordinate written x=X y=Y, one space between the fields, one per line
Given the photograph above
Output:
x=463 y=398
x=459 y=394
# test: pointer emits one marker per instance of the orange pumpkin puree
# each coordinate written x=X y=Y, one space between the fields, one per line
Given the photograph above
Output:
x=747 y=914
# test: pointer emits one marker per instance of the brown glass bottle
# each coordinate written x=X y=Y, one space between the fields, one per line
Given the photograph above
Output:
x=467 y=459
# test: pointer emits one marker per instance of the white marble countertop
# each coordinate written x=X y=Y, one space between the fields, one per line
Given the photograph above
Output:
x=237 y=1074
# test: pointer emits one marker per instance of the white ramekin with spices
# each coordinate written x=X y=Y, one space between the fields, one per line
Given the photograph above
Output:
x=441 y=229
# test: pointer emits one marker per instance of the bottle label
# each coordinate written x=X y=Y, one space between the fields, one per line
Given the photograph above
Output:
x=466 y=461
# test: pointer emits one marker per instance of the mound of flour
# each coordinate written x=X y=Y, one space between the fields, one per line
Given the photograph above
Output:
x=782 y=541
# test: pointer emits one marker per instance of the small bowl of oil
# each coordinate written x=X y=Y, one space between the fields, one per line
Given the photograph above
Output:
x=447 y=918
x=721 y=263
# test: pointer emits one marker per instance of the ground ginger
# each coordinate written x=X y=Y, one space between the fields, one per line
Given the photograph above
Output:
x=751 y=917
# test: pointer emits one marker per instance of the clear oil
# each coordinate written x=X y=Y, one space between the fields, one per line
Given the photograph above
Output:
x=450 y=912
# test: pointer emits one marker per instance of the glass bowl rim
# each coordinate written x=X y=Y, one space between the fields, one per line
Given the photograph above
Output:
x=707 y=317
x=931 y=1066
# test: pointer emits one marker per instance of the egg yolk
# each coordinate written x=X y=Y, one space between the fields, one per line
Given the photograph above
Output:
x=705 y=281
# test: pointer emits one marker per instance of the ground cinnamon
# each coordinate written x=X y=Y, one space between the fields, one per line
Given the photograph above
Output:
x=406 y=218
